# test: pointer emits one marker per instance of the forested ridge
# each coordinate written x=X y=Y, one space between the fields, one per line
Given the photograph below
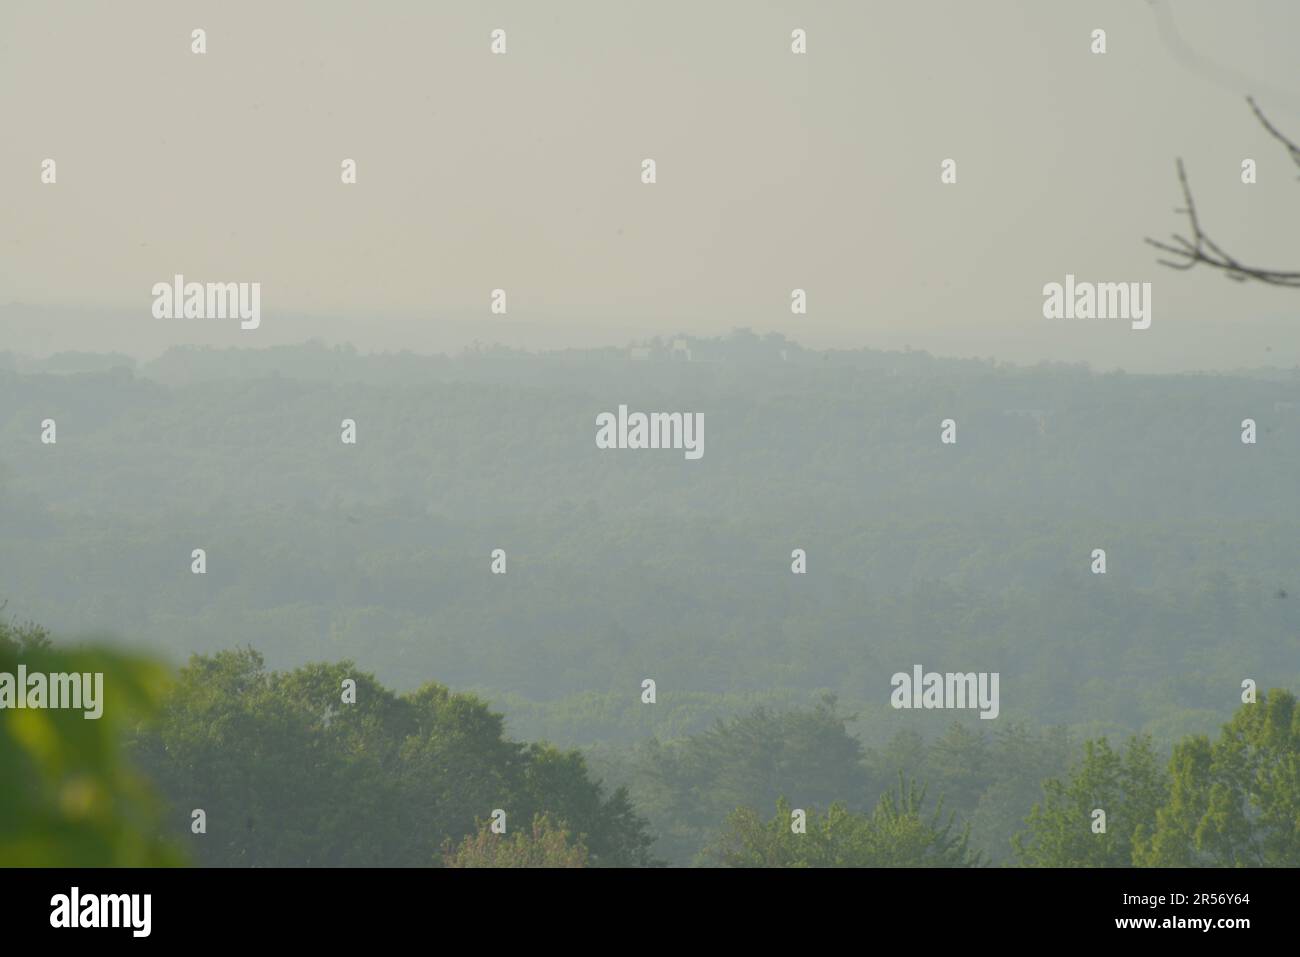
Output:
x=770 y=686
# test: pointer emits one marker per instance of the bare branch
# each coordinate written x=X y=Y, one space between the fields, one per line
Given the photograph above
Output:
x=1200 y=248
x=1273 y=131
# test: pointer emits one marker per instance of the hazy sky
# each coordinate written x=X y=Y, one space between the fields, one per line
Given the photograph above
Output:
x=522 y=171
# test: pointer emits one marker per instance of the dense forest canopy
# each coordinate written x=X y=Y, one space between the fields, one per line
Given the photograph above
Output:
x=973 y=556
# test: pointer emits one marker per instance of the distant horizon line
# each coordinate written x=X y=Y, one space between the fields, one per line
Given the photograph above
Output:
x=468 y=352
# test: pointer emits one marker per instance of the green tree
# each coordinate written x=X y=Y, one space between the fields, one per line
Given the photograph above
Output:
x=289 y=775
x=545 y=845
x=897 y=833
x=68 y=796
x=1236 y=802
x=1129 y=786
x=688 y=786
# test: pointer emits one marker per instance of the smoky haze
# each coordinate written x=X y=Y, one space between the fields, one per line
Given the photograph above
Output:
x=651 y=562
x=521 y=172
